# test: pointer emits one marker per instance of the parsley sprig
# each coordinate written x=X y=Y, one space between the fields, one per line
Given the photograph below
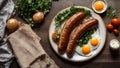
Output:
x=66 y=15
x=27 y=8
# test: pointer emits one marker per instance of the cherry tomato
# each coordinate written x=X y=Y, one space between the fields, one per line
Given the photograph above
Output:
x=116 y=22
x=110 y=27
x=116 y=31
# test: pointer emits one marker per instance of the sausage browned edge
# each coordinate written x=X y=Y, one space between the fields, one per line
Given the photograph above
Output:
x=79 y=31
x=67 y=28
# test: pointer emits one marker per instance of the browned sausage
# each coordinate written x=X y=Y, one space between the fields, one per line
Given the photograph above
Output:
x=67 y=28
x=79 y=31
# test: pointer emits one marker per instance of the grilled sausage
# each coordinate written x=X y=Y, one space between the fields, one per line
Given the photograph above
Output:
x=67 y=28
x=79 y=31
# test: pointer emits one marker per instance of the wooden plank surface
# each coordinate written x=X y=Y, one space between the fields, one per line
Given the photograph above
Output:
x=104 y=59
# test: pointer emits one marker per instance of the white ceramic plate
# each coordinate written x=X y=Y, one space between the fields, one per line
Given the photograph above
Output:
x=77 y=58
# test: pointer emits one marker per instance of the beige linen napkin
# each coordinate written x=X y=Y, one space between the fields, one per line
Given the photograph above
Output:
x=28 y=50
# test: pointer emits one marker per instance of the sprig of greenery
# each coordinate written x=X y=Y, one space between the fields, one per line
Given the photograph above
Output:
x=66 y=15
x=112 y=12
x=85 y=38
x=27 y=8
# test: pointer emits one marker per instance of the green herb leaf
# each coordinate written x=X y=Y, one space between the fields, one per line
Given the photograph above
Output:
x=112 y=12
x=28 y=7
x=85 y=38
x=67 y=14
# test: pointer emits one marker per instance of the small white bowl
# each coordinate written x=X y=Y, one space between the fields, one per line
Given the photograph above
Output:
x=114 y=44
x=104 y=9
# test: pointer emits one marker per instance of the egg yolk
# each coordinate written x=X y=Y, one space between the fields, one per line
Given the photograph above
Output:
x=94 y=41
x=86 y=49
x=99 y=5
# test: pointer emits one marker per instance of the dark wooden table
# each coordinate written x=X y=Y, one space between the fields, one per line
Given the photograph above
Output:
x=103 y=60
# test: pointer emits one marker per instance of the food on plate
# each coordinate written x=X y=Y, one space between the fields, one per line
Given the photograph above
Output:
x=78 y=32
x=110 y=27
x=62 y=17
x=94 y=41
x=12 y=25
x=38 y=17
x=54 y=34
x=27 y=8
x=86 y=49
x=85 y=38
x=66 y=30
x=99 y=32
x=115 y=21
x=99 y=5
x=116 y=32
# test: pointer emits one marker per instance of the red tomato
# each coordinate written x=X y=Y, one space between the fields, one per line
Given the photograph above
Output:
x=110 y=27
x=116 y=31
x=116 y=22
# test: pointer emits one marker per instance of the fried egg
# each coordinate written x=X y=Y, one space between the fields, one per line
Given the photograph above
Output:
x=99 y=5
x=85 y=50
x=94 y=41
x=88 y=49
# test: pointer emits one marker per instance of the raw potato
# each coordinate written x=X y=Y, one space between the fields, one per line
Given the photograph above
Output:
x=12 y=25
x=38 y=17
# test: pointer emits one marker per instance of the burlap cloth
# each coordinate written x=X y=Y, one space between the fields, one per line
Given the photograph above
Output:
x=28 y=50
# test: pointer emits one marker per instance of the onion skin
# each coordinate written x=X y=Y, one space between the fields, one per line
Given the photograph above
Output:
x=12 y=25
x=38 y=17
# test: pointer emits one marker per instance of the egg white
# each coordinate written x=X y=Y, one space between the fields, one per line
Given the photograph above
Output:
x=92 y=48
x=79 y=51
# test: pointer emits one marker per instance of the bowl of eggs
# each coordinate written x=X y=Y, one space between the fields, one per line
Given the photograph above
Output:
x=99 y=6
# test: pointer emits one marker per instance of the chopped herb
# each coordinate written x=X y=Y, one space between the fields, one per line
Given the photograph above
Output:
x=85 y=38
x=112 y=12
x=67 y=14
x=28 y=7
